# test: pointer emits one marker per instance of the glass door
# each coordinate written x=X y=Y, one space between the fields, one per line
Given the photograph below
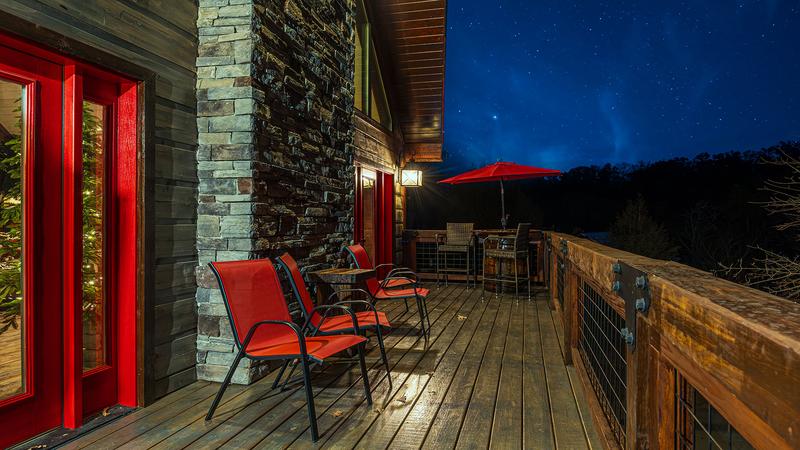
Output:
x=93 y=244
x=68 y=241
x=13 y=362
x=374 y=224
x=368 y=208
x=30 y=152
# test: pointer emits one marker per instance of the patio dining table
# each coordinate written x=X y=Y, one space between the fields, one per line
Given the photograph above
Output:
x=326 y=279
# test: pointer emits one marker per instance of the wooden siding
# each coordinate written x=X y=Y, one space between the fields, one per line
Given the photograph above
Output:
x=492 y=375
x=157 y=37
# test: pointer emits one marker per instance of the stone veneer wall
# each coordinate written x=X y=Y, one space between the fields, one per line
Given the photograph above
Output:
x=275 y=154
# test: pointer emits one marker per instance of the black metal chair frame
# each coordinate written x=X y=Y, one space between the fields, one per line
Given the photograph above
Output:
x=306 y=361
x=346 y=302
x=469 y=251
x=406 y=275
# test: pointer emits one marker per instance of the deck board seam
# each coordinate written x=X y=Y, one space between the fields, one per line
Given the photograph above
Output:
x=449 y=300
x=546 y=381
x=456 y=309
x=472 y=335
x=455 y=371
x=474 y=380
x=478 y=376
x=503 y=367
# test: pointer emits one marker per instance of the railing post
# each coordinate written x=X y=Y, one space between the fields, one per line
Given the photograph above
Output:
x=642 y=374
x=664 y=417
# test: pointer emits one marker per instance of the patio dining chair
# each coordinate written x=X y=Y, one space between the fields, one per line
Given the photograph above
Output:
x=400 y=284
x=263 y=329
x=458 y=239
x=372 y=319
x=505 y=248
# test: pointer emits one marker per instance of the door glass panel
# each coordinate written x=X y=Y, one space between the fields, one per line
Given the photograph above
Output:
x=368 y=216
x=12 y=306
x=93 y=212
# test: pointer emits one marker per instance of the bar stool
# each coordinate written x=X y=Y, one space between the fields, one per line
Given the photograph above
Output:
x=504 y=248
x=458 y=239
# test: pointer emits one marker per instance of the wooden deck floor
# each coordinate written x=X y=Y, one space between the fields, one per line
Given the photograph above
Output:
x=492 y=374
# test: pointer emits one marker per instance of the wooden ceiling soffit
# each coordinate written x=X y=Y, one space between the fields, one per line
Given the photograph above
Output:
x=412 y=35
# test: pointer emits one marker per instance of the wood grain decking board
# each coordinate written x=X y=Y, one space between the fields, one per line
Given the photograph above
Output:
x=491 y=374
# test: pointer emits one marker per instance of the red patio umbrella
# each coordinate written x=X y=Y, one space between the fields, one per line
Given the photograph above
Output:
x=501 y=171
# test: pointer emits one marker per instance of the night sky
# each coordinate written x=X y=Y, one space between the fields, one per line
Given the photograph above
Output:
x=563 y=84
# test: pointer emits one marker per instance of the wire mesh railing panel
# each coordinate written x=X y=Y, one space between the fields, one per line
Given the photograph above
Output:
x=426 y=257
x=455 y=261
x=602 y=351
x=698 y=425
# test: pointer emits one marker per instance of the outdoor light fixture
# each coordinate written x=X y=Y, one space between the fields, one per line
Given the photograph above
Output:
x=411 y=178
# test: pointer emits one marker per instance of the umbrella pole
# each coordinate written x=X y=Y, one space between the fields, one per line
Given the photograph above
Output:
x=502 y=204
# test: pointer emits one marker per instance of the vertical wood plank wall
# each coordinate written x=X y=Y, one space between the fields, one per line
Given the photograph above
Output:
x=158 y=36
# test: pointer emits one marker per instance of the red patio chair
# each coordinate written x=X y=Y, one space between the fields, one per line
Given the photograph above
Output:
x=263 y=329
x=400 y=284
x=367 y=320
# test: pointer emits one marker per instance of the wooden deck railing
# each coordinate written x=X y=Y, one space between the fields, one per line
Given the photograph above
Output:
x=673 y=357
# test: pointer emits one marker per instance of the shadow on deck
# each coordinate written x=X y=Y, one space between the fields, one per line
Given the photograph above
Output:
x=492 y=374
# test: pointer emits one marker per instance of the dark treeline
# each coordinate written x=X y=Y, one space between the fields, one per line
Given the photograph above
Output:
x=710 y=207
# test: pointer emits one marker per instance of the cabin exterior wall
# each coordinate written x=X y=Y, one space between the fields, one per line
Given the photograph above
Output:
x=252 y=140
x=160 y=38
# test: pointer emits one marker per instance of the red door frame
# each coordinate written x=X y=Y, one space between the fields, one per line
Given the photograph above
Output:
x=114 y=383
x=384 y=215
x=123 y=219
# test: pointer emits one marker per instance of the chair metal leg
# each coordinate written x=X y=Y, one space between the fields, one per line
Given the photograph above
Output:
x=466 y=276
x=383 y=353
x=312 y=413
x=363 y=364
x=483 y=276
x=528 y=262
x=291 y=372
x=421 y=311
x=280 y=373
x=406 y=302
x=446 y=273
x=437 y=271
x=427 y=316
x=225 y=384
x=516 y=278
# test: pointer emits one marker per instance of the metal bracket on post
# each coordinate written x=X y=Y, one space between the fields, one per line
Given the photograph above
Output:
x=633 y=287
x=564 y=248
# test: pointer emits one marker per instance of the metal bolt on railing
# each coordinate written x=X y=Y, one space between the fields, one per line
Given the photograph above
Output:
x=641 y=304
x=641 y=282
x=616 y=267
x=627 y=335
x=617 y=286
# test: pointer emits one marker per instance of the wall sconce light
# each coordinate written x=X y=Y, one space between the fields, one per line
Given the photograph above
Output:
x=411 y=178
